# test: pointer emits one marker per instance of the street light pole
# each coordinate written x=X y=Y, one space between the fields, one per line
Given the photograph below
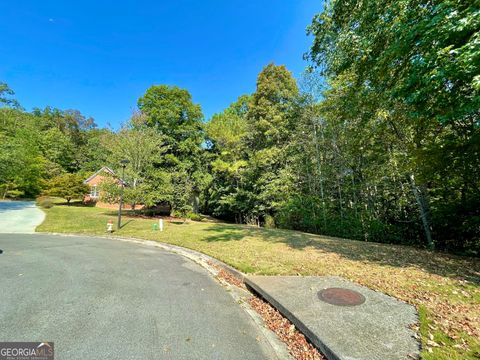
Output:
x=123 y=163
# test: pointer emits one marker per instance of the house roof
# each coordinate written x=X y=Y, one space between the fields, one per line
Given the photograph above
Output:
x=104 y=169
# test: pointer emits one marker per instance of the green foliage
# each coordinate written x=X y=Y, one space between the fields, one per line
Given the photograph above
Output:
x=270 y=112
x=109 y=190
x=10 y=190
x=67 y=186
x=429 y=48
x=94 y=153
x=271 y=123
x=226 y=130
x=195 y=217
x=270 y=222
x=382 y=143
x=7 y=96
x=249 y=147
x=178 y=172
x=34 y=147
x=159 y=188
x=143 y=147
x=172 y=113
x=402 y=88
x=182 y=192
x=21 y=162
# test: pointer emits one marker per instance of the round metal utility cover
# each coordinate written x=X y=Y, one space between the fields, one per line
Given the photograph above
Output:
x=341 y=297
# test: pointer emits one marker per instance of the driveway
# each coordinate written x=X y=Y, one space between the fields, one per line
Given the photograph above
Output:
x=106 y=299
x=19 y=216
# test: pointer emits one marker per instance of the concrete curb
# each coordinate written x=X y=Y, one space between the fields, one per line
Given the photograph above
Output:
x=239 y=295
x=380 y=328
x=314 y=339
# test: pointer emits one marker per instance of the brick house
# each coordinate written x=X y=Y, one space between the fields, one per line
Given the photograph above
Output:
x=93 y=196
x=94 y=182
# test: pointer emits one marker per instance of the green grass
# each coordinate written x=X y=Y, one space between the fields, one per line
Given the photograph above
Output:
x=445 y=289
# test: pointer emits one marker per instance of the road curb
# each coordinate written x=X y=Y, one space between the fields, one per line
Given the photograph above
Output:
x=319 y=344
x=352 y=322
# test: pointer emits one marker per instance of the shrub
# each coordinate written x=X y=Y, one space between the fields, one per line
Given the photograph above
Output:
x=195 y=217
x=67 y=186
x=269 y=222
x=45 y=202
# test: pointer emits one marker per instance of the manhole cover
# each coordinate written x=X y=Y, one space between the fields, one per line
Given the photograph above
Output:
x=341 y=297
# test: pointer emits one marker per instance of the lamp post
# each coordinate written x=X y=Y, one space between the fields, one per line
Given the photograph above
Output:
x=123 y=164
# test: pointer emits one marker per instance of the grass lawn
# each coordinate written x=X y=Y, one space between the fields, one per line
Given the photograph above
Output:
x=445 y=289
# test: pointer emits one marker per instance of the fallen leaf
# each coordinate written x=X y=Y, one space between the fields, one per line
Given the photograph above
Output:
x=432 y=343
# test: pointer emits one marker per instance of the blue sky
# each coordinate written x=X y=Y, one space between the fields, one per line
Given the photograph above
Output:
x=100 y=56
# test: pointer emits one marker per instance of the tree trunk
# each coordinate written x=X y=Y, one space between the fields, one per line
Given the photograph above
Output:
x=423 y=205
x=319 y=169
x=419 y=192
x=5 y=192
x=354 y=195
x=339 y=192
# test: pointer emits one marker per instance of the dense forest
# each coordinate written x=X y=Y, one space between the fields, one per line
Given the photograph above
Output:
x=379 y=140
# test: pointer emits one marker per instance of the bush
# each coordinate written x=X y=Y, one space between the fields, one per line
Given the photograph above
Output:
x=306 y=214
x=457 y=227
x=269 y=222
x=195 y=217
x=45 y=202
x=381 y=232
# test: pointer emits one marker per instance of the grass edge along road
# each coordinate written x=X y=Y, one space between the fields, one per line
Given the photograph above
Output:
x=444 y=288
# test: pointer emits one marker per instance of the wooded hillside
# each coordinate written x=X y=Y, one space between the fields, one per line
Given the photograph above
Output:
x=378 y=141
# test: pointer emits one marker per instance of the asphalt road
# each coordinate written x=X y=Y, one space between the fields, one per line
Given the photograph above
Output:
x=19 y=216
x=106 y=299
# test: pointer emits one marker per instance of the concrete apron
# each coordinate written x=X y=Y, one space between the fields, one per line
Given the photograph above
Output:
x=377 y=328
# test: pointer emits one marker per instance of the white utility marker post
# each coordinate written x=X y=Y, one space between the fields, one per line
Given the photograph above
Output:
x=160 y=224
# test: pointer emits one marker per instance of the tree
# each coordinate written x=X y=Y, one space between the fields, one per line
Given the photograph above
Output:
x=249 y=149
x=94 y=153
x=6 y=97
x=225 y=134
x=413 y=66
x=270 y=113
x=270 y=121
x=67 y=186
x=420 y=52
x=22 y=166
x=170 y=111
x=57 y=148
x=143 y=147
x=67 y=137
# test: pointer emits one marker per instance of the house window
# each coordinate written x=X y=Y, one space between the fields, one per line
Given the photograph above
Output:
x=94 y=192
